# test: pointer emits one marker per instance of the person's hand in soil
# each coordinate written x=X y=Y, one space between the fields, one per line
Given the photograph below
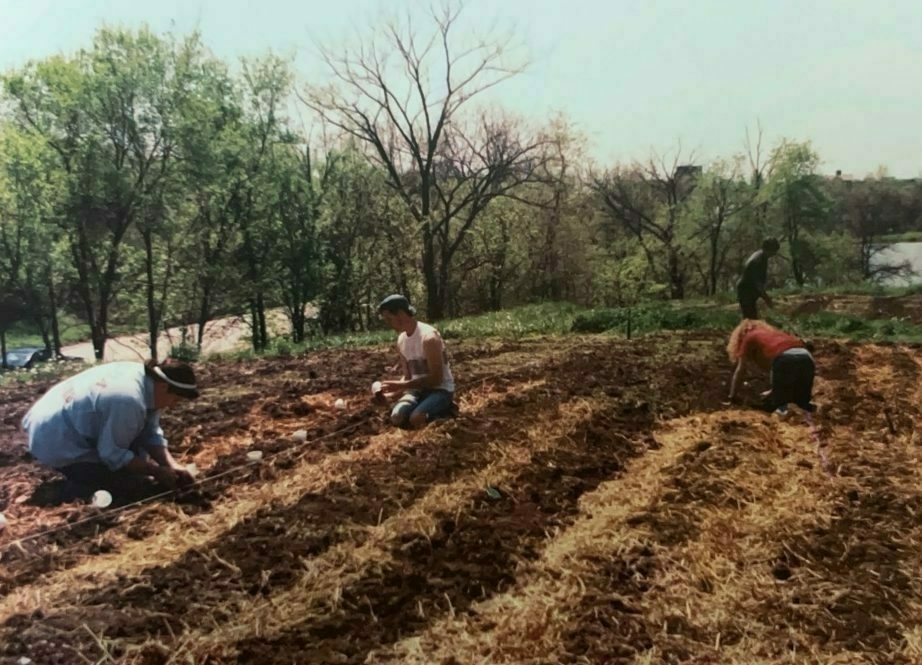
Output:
x=183 y=477
x=166 y=477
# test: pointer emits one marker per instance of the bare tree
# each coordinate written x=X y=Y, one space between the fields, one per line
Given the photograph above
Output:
x=401 y=95
x=722 y=194
x=647 y=200
x=871 y=209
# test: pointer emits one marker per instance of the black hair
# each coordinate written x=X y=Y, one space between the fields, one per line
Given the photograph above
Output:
x=173 y=372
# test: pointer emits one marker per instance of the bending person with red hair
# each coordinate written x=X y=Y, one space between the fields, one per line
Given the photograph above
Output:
x=755 y=345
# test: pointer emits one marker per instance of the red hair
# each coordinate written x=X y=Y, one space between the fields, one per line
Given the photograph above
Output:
x=735 y=344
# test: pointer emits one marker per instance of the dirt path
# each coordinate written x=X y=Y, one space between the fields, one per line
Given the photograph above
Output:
x=221 y=336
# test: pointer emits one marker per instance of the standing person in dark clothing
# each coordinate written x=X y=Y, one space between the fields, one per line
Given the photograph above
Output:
x=752 y=284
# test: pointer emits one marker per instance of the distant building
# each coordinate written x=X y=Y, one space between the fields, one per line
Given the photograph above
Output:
x=688 y=171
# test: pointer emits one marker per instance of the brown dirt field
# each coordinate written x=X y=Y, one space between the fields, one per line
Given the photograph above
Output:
x=635 y=518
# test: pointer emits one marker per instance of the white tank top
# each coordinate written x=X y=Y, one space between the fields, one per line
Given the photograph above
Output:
x=411 y=348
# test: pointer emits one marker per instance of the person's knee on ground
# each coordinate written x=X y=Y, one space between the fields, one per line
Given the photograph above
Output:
x=433 y=406
x=400 y=417
x=418 y=419
x=400 y=414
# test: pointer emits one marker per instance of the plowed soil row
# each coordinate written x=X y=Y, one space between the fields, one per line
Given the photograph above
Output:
x=595 y=501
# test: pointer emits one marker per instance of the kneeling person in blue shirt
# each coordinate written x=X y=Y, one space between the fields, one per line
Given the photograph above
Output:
x=101 y=427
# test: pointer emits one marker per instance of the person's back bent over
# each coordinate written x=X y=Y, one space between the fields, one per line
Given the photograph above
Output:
x=755 y=345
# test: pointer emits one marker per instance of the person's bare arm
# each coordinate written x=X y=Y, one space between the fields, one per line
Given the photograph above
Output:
x=161 y=455
x=432 y=348
x=396 y=385
x=737 y=377
x=148 y=467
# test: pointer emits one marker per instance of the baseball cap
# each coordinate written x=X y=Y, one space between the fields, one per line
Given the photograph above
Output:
x=397 y=303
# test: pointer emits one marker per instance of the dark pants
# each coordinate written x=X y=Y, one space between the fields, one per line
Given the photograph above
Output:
x=84 y=478
x=792 y=380
x=89 y=473
x=748 y=300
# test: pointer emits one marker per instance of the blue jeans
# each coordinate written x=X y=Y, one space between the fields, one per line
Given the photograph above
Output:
x=434 y=403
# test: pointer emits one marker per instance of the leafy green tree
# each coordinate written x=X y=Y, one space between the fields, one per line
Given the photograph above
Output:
x=103 y=113
x=296 y=211
x=267 y=84
x=366 y=243
x=29 y=193
x=213 y=168
x=798 y=201
x=870 y=209
x=714 y=210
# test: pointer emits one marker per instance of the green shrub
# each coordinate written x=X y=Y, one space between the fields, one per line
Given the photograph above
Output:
x=650 y=318
x=185 y=352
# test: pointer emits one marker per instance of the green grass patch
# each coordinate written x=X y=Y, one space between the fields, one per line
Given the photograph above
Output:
x=283 y=347
x=642 y=319
x=849 y=326
x=538 y=319
x=23 y=334
x=551 y=318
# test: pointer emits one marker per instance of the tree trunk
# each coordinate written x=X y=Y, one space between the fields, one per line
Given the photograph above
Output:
x=434 y=302
x=98 y=337
x=793 y=234
x=297 y=320
x=551 y=287
x=712 y=263
x=258 y=314
x=53 y=313
x=676 y=278
x=865 y=251
x=153 y=318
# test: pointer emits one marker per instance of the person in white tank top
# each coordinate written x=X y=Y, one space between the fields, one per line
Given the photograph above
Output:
x=427 y=385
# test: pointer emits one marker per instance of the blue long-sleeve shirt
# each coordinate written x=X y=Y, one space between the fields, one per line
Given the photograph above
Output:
x=104 y=414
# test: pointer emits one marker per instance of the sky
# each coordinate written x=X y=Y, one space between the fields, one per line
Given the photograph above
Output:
x=636 y=77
